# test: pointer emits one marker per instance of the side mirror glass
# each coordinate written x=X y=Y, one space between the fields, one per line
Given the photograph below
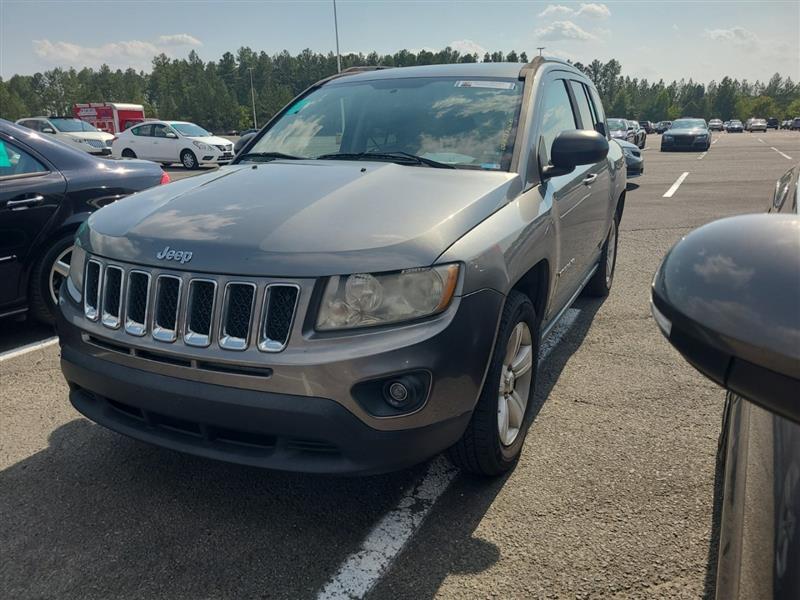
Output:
x=171 y=135
x=727 y=297
x=242 y=141
x=48 y=130
x=573 y=148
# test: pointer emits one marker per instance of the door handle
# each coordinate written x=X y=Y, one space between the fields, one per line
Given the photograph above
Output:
x=589 y=179
x=25 y=202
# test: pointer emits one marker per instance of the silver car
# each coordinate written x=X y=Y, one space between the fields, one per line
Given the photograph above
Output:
x=367 y=284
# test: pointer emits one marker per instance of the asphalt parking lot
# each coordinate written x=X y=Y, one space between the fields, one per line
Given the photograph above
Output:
x=612 y=496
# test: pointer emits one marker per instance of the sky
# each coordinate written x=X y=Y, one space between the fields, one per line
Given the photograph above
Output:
x=664 y=39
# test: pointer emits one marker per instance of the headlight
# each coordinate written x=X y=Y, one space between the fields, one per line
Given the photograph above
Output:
x=364 y=300
x=76 y=268
x=202 y=146
x=627 y=151
x=667 y=138
x=701 y=136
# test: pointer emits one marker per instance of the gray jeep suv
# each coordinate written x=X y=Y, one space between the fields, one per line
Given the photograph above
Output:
x=365 y=286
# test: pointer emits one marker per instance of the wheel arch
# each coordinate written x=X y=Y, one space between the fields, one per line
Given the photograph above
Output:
x=535 y=284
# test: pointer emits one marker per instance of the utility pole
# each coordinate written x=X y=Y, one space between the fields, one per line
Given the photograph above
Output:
x=540 y=48
x=336 y=28
x=253 y=96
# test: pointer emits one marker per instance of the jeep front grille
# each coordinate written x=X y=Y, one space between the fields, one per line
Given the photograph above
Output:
x=196 y=310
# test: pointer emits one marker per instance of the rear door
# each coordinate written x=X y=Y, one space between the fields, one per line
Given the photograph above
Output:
x=141 y=142
x=31 y=191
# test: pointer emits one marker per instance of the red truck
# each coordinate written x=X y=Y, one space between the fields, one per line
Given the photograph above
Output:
x=112 y=117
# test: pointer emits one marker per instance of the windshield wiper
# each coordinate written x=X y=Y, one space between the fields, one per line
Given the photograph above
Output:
x=267 y=156
x=395 y=156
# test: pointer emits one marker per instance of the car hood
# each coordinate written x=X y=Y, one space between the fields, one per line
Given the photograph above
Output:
x=687 y=131
x=626 y=144
x=301 y=218
x=89 y=135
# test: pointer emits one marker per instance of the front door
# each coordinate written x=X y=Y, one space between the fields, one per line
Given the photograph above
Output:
x=30 y=193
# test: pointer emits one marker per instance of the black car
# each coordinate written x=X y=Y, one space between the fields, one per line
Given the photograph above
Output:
x=726 y=298
x=687 y=134
x=648 y=126
x=48 y=189
x=773 y=123
x=662 y=126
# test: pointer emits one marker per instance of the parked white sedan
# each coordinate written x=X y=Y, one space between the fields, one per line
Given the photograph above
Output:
x=169 y=142
x=73 y=132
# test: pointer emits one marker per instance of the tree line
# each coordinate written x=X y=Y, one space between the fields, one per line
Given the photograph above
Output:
x=217 y=94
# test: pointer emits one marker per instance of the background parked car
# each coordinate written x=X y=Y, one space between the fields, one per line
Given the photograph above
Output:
x=648 y=126
x=633 y=158
x=772 y=123
x=639 y=134
x=169 y=142
x=662 y=126
x=757 y=125
x=75 y=132
x=715 y=125
x=49 y=189
x=795 y=124
x=687 y=134
x=735 y=126
x=619 y=129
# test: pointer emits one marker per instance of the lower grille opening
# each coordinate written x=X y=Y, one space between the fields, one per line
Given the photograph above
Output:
x=107 y=345
x=131 y=411
x=179 y=425
x=164 y=358
x=244 y=438
x=235 y=369
x=317 y=446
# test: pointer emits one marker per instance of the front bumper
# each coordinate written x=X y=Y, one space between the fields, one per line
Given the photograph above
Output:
x=214 y=159
x=685 y=144
x=240 y=419
x=635 y=165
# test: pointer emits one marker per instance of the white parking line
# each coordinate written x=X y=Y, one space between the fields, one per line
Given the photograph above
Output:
x=781 y=153
x=362 y=570
x=671 y=191
x=701 y=156
x=762 y=141
x=9 y=354
x=715 y=141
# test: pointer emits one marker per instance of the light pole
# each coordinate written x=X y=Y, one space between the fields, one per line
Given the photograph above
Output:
x=336 y=28
x=540 y=48
x=253 y=97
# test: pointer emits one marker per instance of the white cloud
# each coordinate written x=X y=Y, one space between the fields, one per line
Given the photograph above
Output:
x=137 y=54
x=598 y=11
x=563 y=30
x=739 y=36
x=556 y=9
x=179 y=39
x=468 y=47
x=591 y=9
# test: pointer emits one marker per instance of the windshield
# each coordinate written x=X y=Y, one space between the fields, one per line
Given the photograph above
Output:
x=688 y=123
x=736 y=122
x=463 y=123
x=189 y=129
x=617 y=124
x=71 y=125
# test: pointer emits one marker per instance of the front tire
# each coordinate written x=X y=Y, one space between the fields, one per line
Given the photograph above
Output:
x=46 y=277
x=128 y=153
x=599 y=285
x=189 y=160
x=496 y=432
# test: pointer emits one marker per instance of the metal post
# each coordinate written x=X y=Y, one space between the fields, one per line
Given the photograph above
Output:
x=253 y=96
x=336 y=28
x=540 y=48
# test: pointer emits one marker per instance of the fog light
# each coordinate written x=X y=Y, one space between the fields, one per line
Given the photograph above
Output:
x=396 y=394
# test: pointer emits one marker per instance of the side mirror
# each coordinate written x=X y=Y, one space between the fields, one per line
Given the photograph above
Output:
x=727 y=297
x=171 y=135
x=575 y=147
x=242 y=142
x=48 y=130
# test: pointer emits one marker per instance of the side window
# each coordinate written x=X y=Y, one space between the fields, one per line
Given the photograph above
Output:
x=159 y=130
x=598 y=108
x=587 y=121
x=557 y=116
x=29 y=124
x=143 y=130
x=15 y=161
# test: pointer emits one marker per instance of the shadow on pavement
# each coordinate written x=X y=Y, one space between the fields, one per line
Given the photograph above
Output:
x=445 y=544
x=19 y=332
x=97 y=515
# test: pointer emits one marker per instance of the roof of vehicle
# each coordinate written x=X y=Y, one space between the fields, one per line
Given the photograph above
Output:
x=501 y=69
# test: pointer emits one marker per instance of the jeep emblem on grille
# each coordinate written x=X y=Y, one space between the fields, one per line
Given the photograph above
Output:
x=182 y=256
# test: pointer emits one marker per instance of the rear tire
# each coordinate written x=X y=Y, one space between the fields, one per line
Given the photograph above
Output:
x=128 y=153
x=488 y=447
x=189 y=160
x=46 y=277
x=599 y=285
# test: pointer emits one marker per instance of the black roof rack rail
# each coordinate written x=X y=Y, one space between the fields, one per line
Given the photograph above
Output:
x=349 y=70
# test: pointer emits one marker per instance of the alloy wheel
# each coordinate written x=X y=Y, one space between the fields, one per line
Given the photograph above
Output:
x=611 y=253
x=59 y=272
x=515 y=384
